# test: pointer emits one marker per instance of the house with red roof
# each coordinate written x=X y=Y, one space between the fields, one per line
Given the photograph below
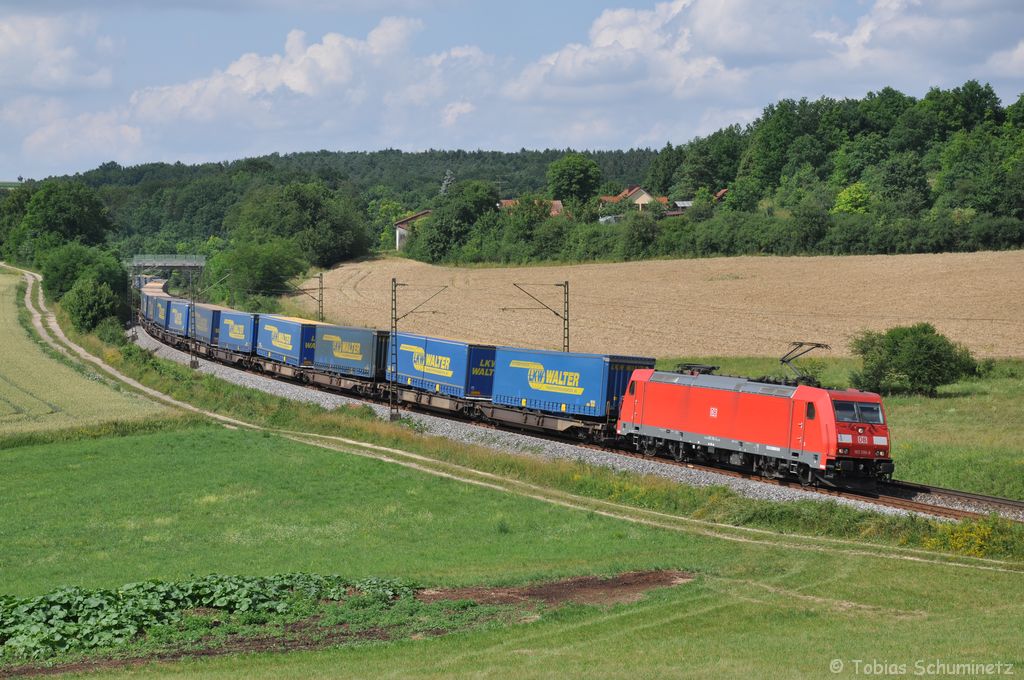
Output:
x=636 y=195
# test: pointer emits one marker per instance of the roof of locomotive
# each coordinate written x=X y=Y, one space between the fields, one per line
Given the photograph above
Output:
x=722 y=382
x=747 y=385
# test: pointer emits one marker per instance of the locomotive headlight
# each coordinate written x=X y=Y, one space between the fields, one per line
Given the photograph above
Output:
x=879 y=453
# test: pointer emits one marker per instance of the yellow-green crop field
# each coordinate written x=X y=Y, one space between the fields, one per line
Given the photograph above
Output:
x=39 y=393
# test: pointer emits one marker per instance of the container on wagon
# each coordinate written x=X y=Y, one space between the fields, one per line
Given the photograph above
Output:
x=570 y=383
x=207 y=322
x=286 y=339
x=178 y=321
x=160 y=310
x=237 y=331
x=360 y=352
x=458 y=369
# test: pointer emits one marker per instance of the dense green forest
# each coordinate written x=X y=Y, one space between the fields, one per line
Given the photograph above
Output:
x=888 y=173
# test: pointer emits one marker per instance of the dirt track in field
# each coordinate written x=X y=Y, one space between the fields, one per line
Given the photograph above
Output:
x=629 y=587
x=722 y=306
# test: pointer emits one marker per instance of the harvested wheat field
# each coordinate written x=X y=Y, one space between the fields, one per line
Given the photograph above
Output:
x=741 y=306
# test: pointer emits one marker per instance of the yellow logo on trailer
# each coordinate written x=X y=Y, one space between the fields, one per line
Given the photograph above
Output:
x=485 y=369
x=353 y=351
x=433 y=364
x=279 y=339
x=543 y=380
x=177 y=318
x=236 y=331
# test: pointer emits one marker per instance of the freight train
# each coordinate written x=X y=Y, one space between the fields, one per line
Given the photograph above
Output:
x=817 y=436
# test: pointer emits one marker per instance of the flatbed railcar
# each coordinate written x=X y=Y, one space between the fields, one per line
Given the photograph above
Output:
x=826 y=437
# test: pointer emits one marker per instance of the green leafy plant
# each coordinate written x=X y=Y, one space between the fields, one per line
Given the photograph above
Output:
x=77 y=619
x=88 y=302
x=909 y=359
x=111 y=331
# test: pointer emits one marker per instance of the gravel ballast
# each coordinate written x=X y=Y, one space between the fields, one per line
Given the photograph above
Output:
x=510 y=442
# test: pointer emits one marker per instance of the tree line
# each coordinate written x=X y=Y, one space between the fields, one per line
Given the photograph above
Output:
x=887 y=173
x=260 y=221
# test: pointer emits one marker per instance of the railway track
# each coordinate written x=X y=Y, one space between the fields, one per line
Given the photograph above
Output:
x=896 y=494
x=892 y=500
x=886 y=500
x=898 y=488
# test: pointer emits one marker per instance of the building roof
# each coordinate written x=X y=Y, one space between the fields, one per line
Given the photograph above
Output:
x=630 y=194
x=556 y=207
x=406 y=221
x=622 y=195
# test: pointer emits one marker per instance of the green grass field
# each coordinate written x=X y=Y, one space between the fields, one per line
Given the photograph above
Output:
x=106 y=512
x=41 y=394
x=198 y=499
x=969 y=437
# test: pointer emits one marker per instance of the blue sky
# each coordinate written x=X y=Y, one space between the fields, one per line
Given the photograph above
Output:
x=196 y=80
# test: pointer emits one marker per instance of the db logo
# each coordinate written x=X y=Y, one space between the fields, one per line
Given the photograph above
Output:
x=862 y=440
x=714 y=412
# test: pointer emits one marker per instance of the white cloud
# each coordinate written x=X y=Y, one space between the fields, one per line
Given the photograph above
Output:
x=629 y=51
x=934 y=40
x=633 y=76
x=47 y=53
x=247 y=84
x=31 y=111
x=421 y=81
x=1009 y=62
x=454 y=111
x=89 y=135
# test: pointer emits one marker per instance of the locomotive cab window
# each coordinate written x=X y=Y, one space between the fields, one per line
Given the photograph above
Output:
x=810 y=411
x=858 y=412
x=632 y=387
x=870 y=413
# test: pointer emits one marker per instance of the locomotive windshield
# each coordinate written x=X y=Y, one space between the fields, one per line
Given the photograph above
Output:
x=858 y=412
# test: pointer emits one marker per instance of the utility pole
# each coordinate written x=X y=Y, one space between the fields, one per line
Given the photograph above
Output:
x=564 y=315
x=131 y=308
x=193 y=361
x=393 y=359
x=320 y=301
x=393 y=414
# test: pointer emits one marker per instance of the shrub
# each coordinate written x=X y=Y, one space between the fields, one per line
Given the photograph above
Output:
x=89 y=302
x=111 y=331
x=915 y=359
x=70 y=262
x=637 y=235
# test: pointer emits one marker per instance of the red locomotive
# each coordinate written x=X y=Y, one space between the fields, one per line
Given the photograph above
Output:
x=835 y=437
